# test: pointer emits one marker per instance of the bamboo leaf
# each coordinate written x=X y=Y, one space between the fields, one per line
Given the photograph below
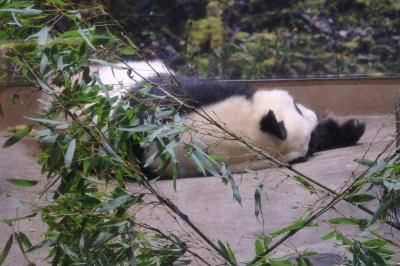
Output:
x=45 y=87
x=328 y=235
x=22 y=182
x=227 y=251
x=219 y=157
x=111 y=151
x=43 y=63
x=203 y=161
x=10 y=221
x=17 y=202
x=141 y=128
x=102 y=238
x=198 y=162
x=14 y=99
x=174 y=175
x=373 y=243
x=6 y=249
x=344 y=220
x=305 y=183
x=131 y=44
x=42 y=36
x=365 y=162
x=26 y=11
x=280 y=263
x=170 y=149
x=391 y=184
x=235 y=189
x=16 y=20
x=259 y=247
x=46 y=121
x=70 y=253
x=103 y=260
x=104 y=63
x=360 y=198
x=296 y=225
x=82 y=241
x=70 y=153
x=20 y=134
x=83 y=34
x=115 y=203
x=150 y=159
x=303 y=261
x=23 y=241
x=257 y=200
x=45 y=243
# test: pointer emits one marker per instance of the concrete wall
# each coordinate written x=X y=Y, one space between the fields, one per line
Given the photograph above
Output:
x=26 y=105
x=340 y=96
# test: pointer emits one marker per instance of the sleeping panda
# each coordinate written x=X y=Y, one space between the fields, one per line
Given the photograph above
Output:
x=269 y=119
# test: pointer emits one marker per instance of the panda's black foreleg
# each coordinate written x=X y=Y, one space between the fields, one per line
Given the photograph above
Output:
x=299 y=160
x=330 y=135
x=352 y=131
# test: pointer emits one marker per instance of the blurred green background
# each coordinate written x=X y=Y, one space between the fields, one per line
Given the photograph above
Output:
x=266 y=39
x=256 y=39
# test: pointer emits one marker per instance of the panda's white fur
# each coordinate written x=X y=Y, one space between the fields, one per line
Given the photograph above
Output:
x=117 y=75
x=239 y=114
x=242 y=117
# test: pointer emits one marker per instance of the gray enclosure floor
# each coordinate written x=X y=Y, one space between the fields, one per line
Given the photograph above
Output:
x=209 y=203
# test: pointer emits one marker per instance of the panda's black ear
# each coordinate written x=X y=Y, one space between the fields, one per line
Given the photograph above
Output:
x=270 y=125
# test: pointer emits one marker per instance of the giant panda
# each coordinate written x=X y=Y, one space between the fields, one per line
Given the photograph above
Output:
x=267 y=118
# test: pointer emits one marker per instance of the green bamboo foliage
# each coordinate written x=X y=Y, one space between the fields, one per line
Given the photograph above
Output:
x=87 y=139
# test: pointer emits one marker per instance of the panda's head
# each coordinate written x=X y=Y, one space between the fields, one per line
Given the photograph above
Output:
x=290 y=123
x=298 y=131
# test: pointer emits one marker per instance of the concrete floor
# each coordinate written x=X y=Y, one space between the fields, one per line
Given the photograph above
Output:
x=210 y=206
x=18 y=161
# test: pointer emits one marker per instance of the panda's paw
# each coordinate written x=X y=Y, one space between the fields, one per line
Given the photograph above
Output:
x=300 y=160
x=352 y=130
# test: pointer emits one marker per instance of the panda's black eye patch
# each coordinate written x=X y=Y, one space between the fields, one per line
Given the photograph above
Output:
x=297 y=109
x=270 y=124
